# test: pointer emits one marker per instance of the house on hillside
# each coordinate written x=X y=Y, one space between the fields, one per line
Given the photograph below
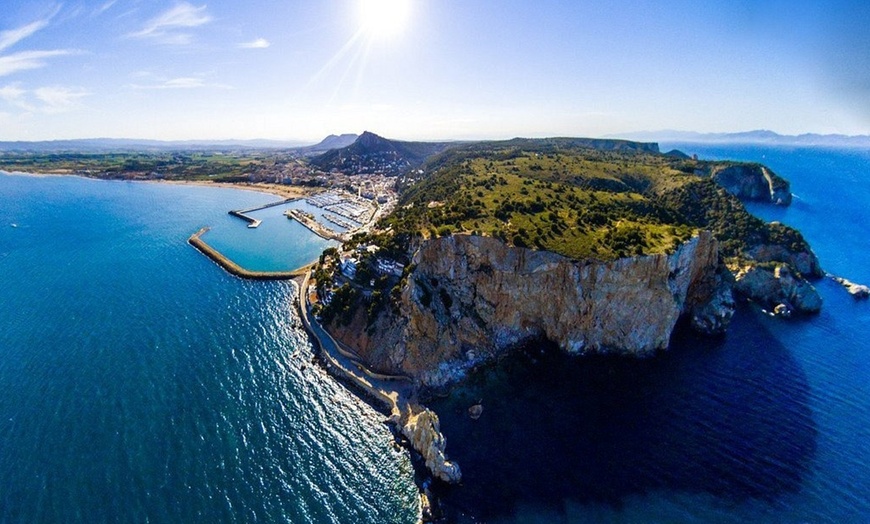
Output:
x=349 y=267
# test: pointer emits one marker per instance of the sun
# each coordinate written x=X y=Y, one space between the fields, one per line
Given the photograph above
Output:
x=384 y=18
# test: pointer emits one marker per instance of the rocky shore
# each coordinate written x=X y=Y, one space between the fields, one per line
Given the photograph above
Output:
x=413 y=425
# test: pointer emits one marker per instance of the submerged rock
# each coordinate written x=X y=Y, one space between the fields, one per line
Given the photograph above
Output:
x=475 y=411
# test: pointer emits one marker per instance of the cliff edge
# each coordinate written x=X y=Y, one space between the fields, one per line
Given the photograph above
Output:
x=469 y=299
x=752 y=182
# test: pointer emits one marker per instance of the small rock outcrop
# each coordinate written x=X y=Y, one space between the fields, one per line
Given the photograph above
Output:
x=423 y=430
x=858 y=291
x=778 y=290
x=753 y=182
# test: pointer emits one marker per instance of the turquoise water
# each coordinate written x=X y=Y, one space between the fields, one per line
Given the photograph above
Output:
x=769 y=424
x=278 y=244
x=140 y=383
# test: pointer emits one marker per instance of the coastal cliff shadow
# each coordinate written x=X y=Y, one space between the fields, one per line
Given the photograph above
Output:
x=728 y=417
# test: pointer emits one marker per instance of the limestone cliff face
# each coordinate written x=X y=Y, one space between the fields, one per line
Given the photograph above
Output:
x=471 y=298
x=753 y=182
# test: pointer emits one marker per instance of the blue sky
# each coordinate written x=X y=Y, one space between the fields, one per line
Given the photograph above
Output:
x=447 y=69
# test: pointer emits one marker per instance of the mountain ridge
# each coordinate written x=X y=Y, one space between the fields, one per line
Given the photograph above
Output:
x=757 y=136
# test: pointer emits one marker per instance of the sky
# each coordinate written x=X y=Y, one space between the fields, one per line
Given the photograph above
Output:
x=429 y=69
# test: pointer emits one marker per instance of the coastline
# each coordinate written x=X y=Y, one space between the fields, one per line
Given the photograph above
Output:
x=283 y=191
x=406 y=417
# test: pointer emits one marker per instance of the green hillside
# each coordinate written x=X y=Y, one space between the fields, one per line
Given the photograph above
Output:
x=582 y=198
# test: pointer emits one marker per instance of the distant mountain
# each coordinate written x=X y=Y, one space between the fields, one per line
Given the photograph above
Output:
x=104 y=145
x=330 y=142
x=371 y=153
x=760 y=136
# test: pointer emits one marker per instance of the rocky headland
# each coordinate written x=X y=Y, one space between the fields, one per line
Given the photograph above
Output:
x=752 y=182
x=598 y=248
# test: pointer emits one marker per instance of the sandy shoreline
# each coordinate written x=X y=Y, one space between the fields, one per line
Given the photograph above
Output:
x=281 y=190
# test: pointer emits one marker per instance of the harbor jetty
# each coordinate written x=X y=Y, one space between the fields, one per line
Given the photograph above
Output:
x=253 y=222
x=234 y=269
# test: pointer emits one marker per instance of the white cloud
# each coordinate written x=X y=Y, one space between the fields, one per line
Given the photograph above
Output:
x=12 y=94
x=27 y=60
x=24 y=60
x=49 y=100
x=167 y=28
x=59 y=99
x=260 y=43
x=184 y=82
x=11 y=37
x=105 y=7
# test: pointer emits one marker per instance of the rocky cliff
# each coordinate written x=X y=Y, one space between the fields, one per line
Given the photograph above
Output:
x=778 y=290
x=752 y=182
x=471 y=298
x=423 y=431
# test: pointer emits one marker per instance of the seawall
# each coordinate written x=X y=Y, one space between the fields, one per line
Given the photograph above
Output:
x=234 y=269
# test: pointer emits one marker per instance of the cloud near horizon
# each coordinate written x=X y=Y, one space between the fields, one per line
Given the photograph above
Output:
x=168 y=27
x=48 y=100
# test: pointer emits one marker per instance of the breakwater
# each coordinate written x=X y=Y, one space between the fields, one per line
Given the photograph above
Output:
x=234 y=269
x=253 y=222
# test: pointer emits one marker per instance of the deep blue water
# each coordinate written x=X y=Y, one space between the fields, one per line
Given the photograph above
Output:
x=140 y=383
x=769 y=424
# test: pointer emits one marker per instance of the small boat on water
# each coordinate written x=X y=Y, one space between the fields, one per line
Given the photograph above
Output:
x=13 y=224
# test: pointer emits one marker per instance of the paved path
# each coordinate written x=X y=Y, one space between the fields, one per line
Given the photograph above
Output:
x=394 y=392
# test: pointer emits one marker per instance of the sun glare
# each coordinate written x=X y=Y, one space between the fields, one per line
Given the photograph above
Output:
x=384 y=18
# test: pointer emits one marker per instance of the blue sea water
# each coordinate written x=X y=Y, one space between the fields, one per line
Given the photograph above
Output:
x=278 y=244
x=141 y=383
x=769 y=424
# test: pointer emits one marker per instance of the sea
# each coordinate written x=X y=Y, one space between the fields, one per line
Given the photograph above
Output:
x=141 y=383
x=769 y=424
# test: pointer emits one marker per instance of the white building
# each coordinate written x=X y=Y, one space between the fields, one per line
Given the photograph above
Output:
x=348 y=267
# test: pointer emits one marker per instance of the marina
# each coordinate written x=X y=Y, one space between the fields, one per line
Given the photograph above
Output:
x=346 y=205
